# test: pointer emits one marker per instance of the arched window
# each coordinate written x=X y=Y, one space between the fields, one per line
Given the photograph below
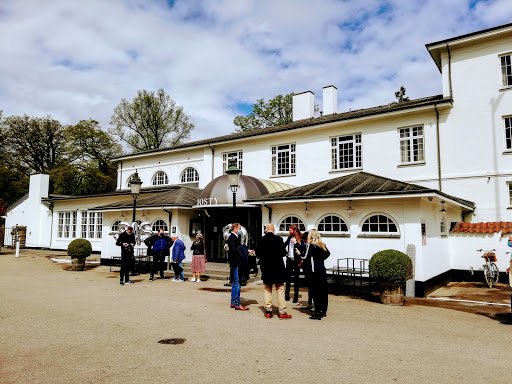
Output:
x=379 y=224
x=129 y=184
x=160 y=178
x=189 y=175
x=115 y=225
x=159 y=224
x=289 y=220
x=332 y=223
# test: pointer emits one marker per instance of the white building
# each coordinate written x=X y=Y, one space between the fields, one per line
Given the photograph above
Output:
x=410 y=171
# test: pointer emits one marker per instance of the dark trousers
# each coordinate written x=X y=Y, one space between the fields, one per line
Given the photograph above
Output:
x=309 y=282
x=126 y=266
x=158 y=264
x=292 y=275
x=320 y=291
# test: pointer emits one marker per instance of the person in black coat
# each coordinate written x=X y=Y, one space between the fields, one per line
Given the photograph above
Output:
x=318 y=252
x=158 y=247
x=271 y=250
x=126 y=241
x=295 y=247
x=233 y=244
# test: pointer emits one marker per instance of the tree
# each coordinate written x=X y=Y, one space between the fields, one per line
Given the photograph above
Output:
x=150 y=121
x=400 y=95
x=276 y=111
x=35 y=143
x=90 y=143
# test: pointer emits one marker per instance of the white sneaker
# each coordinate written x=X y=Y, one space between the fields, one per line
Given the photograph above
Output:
x=174 y=280
x=179 y=281
x=198 y=280
x=192 y=280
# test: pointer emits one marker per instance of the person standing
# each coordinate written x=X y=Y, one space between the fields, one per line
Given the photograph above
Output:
x=178 y=255
x=305 y=264
x=198 y=258
x=158 y=247
x=318 y=252
x=126 y=241
x=295 y=247
x=233 y=244
x=271 y=250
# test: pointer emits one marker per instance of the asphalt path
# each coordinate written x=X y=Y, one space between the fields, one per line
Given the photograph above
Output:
x=59 y=326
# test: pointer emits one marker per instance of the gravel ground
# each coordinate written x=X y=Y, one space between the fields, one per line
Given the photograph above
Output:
x=58 y=326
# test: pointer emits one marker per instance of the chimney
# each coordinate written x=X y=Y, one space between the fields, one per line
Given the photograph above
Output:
x=330 y=100
x=38 y=187
x=303 y=105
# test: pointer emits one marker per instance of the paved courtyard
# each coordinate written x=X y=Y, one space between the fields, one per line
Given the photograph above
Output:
x=58 y=326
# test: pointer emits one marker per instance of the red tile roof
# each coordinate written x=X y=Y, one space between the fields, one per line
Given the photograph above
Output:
x=489 y=227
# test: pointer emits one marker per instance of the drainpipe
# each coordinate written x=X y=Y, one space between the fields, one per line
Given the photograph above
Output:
x=440 y=185
x=170 y=217
x=269 y=212
x=213 y=158
x=449 y=70
x=51 y=225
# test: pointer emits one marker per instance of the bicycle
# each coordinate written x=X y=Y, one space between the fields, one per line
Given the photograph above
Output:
x=491 y=271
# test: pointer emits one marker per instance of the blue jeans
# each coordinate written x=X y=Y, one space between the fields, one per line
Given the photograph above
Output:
x=235 y=289
x=181 y=275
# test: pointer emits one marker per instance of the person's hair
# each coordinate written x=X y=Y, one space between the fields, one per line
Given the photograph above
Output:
x=296 y=232
x=129 y=229
x=305 y=236
x=314 y=238
x=269 y=227
x=199 y=236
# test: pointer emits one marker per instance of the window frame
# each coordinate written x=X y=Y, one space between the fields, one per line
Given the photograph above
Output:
x=91 y=225
x=357 y=149
x=292 y=159
x=300 y=222
x=508 y=141
x=410 y=140
x=443 y=230
x=182 y=175
x=155 y=178
x=379 y=234
x=129 y=180
x=333 y=233
x=226 y=159
x=505 y=84
x=509 y=185
x=67 y=224
x=154 y=226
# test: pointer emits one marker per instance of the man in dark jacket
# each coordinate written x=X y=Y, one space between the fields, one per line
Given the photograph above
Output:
x=126 y=241
x=233 y=243
x=271 y=250
x=158 y=247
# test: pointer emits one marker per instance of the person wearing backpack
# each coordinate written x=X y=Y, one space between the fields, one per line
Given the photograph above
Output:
x=158 y=246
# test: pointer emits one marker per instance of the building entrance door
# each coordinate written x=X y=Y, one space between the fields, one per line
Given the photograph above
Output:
x=250 y=218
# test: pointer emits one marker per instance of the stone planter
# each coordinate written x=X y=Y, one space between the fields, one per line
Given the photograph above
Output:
x=77 y=263
x=392 y=294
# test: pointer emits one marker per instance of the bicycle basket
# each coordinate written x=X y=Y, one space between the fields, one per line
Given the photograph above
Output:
x=491 y=256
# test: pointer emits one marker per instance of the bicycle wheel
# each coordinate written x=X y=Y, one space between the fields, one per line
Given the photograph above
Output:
x=495 y=272
x=488 y=277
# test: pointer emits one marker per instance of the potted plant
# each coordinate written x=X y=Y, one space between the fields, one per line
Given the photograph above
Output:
x=78 y=250
x=391 y=269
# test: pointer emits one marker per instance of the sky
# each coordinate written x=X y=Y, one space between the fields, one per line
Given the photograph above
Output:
x=74 y=59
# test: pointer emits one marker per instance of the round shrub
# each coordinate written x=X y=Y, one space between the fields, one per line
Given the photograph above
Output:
x=390 y=266
x=79 y=248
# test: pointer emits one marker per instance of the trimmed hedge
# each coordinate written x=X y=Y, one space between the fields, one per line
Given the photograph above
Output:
x=390 y=266
x=79 y=248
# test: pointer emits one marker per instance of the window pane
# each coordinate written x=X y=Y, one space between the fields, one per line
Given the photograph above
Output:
x=379 y=224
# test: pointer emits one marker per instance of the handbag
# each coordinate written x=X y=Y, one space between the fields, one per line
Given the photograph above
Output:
x=176 y=268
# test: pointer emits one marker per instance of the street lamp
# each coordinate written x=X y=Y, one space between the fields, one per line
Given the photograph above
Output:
x=234 y=181
x=135 y=183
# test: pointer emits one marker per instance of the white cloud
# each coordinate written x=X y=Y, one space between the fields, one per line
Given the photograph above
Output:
x=76 y=60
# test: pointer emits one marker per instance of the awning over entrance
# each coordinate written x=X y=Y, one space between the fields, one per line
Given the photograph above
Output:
x=218 y=194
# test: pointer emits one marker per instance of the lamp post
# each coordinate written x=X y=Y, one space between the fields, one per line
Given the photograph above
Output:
x=135 y=184
x=234 y=181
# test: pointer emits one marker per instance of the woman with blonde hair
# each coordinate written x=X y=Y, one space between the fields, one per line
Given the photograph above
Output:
x=198 y=258
x=318 y=252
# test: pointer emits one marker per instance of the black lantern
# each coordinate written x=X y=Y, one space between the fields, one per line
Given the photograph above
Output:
x=135 y=184
x=234 y=181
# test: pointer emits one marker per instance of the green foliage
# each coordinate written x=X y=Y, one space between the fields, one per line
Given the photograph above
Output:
x=390 y=266
x=400 y=95
x=79 y=248
x=276 y=111
x=150 y=121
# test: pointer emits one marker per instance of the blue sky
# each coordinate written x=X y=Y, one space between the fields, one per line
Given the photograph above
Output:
x=77 y=60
